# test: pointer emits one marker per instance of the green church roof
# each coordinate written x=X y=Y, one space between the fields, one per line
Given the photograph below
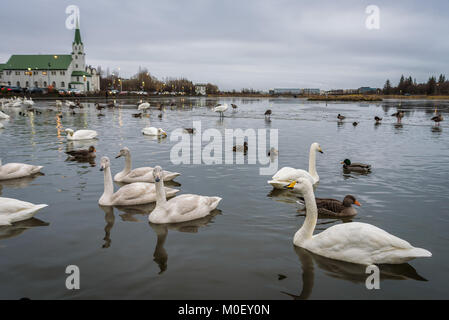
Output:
x=78 y=37
x=80 y=73
x=38 y=62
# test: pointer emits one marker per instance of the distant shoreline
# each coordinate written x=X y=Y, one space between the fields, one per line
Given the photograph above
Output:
x=329 y=98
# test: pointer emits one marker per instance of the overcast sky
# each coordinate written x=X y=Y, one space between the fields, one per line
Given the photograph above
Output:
x=242 y=43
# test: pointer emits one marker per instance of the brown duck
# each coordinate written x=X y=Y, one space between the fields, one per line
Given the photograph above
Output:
x=336 y=208
x=83 y=154
x=437 y=119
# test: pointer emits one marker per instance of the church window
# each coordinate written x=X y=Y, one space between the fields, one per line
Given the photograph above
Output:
x=18 y=83
x=62 y=84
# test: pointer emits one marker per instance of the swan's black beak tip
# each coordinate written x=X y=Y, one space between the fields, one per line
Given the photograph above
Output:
x=101 y=169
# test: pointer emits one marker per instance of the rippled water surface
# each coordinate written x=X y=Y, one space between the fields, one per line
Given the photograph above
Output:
x=245 y=251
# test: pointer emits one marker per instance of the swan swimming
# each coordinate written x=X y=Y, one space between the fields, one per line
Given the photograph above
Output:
x=286 y=175
x=152 y=131
x=183 y=208
x=144 y=174
x=80 y=134
x=354 y=242
x=12 y=210
x=130 y=195
x=17 y=170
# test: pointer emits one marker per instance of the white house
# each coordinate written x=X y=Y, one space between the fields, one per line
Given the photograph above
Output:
x=60 y=71
x=200 y=89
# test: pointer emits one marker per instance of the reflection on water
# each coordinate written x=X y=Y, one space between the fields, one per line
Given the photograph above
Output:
x=406 y=195
x=17 y=228
x=346 y=271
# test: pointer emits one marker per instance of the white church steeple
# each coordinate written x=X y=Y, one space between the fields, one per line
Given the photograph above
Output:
x=78 y=55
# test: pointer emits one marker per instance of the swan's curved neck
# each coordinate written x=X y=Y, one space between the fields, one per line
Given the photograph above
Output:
x=306 y=231
x=128 y=165
x=108 y=186
x=161 y=198
x=312 y=162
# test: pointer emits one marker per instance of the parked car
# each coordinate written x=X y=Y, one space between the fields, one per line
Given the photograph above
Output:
x=63 y=92
x=36 y=90
x=75 y=92
x=12 y=89
x=123 y=93
x=113 y=91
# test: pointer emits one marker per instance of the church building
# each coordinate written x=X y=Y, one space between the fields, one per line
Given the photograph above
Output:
x=58 y=71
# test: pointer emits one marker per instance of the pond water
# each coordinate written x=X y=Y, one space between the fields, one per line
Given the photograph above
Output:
x=245 y=250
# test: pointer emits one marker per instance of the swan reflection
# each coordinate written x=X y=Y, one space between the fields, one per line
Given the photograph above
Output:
x=351 y=272
x=18 y=228
x=160 y=254
x=19 y=183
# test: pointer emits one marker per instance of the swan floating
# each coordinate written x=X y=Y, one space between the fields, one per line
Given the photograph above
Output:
x=130 y=195
x=143 y=106
x=286 y=175
x=81 y=134
x=12 y=210
x=144 y=174
x=183 y=208
x=4 y=116
x=152 y=131
x=353 y=242
x=17 y=170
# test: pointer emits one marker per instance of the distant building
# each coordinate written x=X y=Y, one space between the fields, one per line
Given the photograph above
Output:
x=285 y=91
x=311 y=91
x=367 y=90
x=61 y=71
x=200 y=89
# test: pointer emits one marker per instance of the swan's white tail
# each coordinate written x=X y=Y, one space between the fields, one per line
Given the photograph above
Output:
x=419 y=253
x=213 y=202
x=36 y=169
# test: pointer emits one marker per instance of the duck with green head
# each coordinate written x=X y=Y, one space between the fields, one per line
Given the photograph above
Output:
x=356 y=167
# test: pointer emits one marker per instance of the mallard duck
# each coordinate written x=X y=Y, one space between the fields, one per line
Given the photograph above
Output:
x=286 y=175
x=130 y=195
x=145 y=174
x=243 y=148
x=268 y=113
x=437 y=119
x=356 y=167
x=340 y=117
x=99 y=107
x=17 y=170
x=355 y=124
x=336 y=208
x=234 y=106
x=353 y=242
x=273 y=152
x=83 y=154
x=190 y=130
x=186 y=207
x=137 y=115
x=377 y=119
x=399 y=115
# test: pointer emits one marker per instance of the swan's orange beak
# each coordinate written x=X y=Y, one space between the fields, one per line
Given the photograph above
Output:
x=357 y=203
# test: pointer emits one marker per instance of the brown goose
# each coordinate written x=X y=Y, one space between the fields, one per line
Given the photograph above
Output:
x=399 y=115
x=336 y=208
x=438 y=119
x=356 y=167
x=83 y=154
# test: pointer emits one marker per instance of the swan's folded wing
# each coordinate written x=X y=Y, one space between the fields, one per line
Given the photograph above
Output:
x=9 y=206
x=13 y=167
x=139 y=172
x=132 y=191
x=360 y=165
x=186 y=203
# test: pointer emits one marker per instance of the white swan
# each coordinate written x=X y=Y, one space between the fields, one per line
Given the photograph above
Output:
x=144 y=174
x=152 y=131
x=12 y=210
x=183 y=208
x=130 y=195
x=286 y=175
x=221 y=109
x=28 y=102
x=353 y=242
x=143 y=106
x=81 y=134
x=3 y=115
x=17 y=170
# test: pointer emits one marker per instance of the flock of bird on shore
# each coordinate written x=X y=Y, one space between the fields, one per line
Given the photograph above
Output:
x=353 y=242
